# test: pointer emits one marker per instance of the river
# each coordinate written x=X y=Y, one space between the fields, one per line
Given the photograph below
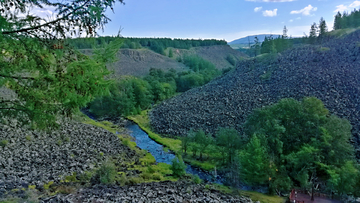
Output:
x=143 y=141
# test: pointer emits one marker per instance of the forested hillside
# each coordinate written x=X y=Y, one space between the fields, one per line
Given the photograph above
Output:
x=138 y=55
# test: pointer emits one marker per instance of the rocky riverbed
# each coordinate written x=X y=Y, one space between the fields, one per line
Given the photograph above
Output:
x=168 y=191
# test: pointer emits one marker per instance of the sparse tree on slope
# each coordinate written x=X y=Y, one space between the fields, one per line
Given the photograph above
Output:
x=313 y=33
x=322 y=27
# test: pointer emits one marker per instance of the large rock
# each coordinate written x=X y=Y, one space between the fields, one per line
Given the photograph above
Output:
x=330 y=73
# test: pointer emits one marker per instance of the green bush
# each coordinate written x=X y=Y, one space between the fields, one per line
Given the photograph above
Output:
x=106 y=173
x=231 y=59
x=178 y=167
x=196 y=179
x=3 y=143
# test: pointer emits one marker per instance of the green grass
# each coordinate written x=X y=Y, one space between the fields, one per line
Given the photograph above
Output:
x=206 y=165
x=323 y=49
x=254 y=196
x=144 y=123
x=342 y=32
x=263 y=198
x=172 y=144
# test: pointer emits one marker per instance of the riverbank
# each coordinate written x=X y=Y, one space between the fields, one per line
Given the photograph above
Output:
x=174 y=145
x=142 y=120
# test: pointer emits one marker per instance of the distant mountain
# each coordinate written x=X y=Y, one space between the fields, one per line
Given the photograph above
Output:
x=245 y=40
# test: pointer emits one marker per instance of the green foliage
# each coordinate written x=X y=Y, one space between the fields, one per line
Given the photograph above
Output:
x=156 y=44
x=171 y=54
x=3 y=143
x=347 y=20
x=106 y=173
x=254 y=162
x=229 y=141
x=50 y=78
x=231 y=59
x=148 y=159
x=28 y=137
x=47 y=185
x=322 y=27
x=303 y=142
x=344 y=179
x=274 y=45
x=178 y=167
x=130 y=95
x=196 y=179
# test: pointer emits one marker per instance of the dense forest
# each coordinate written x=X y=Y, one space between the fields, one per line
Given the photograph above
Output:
x=347 y=20
x=130 y=95
x=291 y=143
x=156 y=44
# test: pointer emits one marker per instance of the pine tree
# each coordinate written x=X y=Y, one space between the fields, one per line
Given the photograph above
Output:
x=313 y=33
x=337 y=21
x=322 y=27
x=48 y=77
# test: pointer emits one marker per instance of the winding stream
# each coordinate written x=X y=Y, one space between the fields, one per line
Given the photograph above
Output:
x=143 y=141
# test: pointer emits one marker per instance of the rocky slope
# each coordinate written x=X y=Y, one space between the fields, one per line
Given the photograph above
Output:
x=137 y=62
x=35 y=158
x=330 y=73
x=149 y=192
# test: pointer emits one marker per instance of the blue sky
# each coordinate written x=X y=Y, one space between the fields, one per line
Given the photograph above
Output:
x=226 y=19
x=214 y=19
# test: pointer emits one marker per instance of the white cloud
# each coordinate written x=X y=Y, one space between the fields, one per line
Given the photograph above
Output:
x=291 y=20
x=271 y=0
x=341 y=8
x=45 y=12
x=270 y=13
x=354 y=4
x=298 y=18
x=257 y=9
x=305 y=11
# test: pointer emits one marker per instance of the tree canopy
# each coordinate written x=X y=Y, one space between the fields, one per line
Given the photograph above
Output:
x=298 y=143
x=48 y=77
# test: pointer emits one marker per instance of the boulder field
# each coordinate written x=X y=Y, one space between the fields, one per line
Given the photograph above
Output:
x=36 y=158
x=167 y=191
x=329 y=72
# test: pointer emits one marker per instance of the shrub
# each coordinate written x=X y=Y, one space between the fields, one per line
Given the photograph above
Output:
x=47 y=186
x=146 y=176
x=3 y=143
x=196 y=179
x=85 y=177
x=106 y=173
x=178 y=167
x=157 y=176
x=231 y=59
x=136 y=180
